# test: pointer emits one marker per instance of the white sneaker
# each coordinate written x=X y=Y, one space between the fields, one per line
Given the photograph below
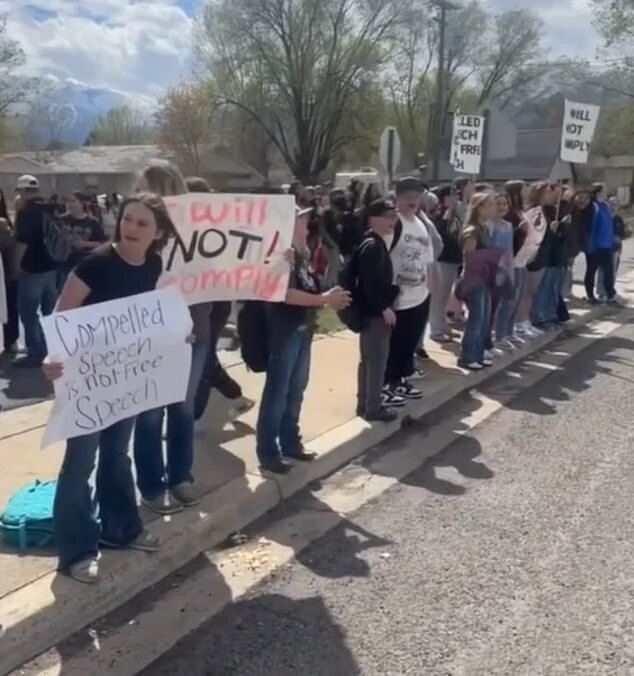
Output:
x=489 y=355
x=536 y=332
x=508 y=344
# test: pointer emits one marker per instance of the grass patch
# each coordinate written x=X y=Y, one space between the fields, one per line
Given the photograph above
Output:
x=328 y=322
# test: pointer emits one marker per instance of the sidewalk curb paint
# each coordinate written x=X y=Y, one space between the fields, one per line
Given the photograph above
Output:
x=43 y=613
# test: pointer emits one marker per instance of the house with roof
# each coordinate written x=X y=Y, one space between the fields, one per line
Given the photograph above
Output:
x=108 y=169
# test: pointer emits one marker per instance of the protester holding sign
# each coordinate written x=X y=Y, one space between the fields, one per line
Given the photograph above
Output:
x=166 y=484
x=130 y=266
x=289 y=330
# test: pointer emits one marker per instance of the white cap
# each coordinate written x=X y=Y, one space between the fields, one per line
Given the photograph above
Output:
x=27 y=182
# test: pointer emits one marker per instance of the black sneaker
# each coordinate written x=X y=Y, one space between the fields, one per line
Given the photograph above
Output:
x=390 y=399
x=226 y=385
x=421 y=353
x=27 y=362
x=384 y=414
x=593 y=301
x=408 y=391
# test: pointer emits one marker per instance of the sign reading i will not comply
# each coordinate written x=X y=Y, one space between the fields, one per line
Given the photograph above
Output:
x=120 y=358
x=580 y=121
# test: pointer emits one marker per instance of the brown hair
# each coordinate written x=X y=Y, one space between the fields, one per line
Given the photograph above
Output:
x=162 y=178
x=475 y=207
x=514 y=190
x=536 y=193
x=155 y=204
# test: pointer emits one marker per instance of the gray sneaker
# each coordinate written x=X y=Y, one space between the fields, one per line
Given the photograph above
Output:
x=164 y=504
x=86 y=571
x=185 y=494
x=146 y=542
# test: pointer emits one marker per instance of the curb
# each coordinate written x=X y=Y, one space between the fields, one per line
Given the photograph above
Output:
x=43 y=613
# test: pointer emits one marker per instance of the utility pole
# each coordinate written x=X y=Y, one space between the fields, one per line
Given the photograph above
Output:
x=444 y=6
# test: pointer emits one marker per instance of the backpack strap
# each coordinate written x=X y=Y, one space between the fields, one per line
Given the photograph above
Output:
x=398 y=231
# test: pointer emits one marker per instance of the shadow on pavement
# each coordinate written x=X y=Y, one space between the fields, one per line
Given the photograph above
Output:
x=21 y=387
x=268 y=635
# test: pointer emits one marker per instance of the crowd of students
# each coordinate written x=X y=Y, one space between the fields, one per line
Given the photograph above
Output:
x=495 y=261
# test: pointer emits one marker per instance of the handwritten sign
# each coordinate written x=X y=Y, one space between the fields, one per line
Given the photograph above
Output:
x=466 y=143
x=580 y=121
x=120 y=358
x=229 y=247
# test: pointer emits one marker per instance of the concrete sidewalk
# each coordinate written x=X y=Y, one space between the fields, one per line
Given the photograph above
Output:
x=38 y=607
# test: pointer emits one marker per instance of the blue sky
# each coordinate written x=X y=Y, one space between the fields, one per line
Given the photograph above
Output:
x=144 y=46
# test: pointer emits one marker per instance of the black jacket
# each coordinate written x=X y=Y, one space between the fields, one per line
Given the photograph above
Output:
x=376 y=290
x=450 y=230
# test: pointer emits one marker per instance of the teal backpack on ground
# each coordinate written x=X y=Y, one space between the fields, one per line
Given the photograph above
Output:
x=27 y=520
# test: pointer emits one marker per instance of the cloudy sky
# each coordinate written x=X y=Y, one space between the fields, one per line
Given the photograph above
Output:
x=143 y=46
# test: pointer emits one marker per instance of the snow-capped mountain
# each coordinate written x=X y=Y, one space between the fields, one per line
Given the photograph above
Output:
x=68 y=109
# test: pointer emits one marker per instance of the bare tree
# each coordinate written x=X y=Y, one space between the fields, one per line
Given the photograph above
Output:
x=410 y=81
x=615 y=20
x=121 y=126
x=13 y=88
x=310 y=58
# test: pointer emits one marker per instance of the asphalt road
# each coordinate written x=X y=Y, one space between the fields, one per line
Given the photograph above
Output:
x=509 y=553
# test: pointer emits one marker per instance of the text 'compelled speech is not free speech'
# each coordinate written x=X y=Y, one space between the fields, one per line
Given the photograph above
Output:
x=120 y=358
x=229 y=247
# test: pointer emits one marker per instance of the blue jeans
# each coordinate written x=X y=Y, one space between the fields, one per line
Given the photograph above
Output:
x=77 y=529
x=477 y=329
x=286 y=380
x=546 y=301
x=506 y=311
x=36 y=290
x=153 y=475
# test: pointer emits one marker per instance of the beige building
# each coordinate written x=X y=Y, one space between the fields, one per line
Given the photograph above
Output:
x=107 y=169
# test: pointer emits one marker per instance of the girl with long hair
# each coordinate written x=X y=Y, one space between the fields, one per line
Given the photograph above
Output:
x=126 y=267
x=166 y=484
x=475 y=282
x=503 y=309
x=535 y=252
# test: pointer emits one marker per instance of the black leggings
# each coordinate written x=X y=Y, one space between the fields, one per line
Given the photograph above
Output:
x=410 y=325
x=600 y=259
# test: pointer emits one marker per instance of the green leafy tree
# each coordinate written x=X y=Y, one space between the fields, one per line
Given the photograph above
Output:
x=184 y=122
x=615 y=132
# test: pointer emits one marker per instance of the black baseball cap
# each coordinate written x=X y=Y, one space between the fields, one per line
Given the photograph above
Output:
x=379 y=207
x=409 y=184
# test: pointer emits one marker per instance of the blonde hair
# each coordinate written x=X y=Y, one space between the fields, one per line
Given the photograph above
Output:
x=475 y=207
x=162 y=178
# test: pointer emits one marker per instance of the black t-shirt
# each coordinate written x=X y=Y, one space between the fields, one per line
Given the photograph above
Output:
x=285 y=319
x=109 y=277
x=29 y=229
x=85 y=229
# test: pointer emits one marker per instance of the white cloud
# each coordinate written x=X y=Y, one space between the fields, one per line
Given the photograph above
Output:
x=140 y=47
x=144 y=46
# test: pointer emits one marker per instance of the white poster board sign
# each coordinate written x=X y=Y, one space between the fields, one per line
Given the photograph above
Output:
x=229 y=247
x=580 y=122
x=466 y=143
x=120 y=358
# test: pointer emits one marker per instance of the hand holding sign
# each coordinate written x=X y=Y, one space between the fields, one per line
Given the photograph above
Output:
x=114 y=360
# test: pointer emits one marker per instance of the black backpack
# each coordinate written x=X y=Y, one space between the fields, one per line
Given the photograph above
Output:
x=352 y=317
x=253 y=335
